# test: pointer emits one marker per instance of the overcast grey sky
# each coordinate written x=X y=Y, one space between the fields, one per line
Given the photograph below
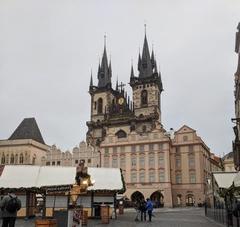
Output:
x=47 y=50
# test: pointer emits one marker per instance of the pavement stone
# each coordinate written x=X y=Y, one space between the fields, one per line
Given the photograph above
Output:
x=185 y=217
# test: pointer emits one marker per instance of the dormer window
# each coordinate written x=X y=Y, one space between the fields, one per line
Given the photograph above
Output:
x=121 y=134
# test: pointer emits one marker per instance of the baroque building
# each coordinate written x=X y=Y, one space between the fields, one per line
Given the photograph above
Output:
x=56 y=157
x=130 y=135
x=25 y=146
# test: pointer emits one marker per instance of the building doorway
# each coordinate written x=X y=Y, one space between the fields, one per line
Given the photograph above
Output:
x=190 y=201
x=157 y=199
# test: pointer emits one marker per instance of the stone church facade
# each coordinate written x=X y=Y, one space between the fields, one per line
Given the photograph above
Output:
x=170 y=168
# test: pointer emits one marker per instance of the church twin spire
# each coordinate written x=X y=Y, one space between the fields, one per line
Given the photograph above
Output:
x=147 y=67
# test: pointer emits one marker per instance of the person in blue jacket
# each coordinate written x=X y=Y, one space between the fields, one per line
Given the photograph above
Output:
x=149 y=208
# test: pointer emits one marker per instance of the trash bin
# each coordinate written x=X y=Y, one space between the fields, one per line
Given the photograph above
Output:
x=45 y=223
x=105 y=214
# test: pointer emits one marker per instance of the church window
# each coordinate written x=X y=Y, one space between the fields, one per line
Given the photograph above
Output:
x=151 y=147
x=34 y=159
x=21 y=159
x=192 y=177
x=191 y=148
x=178 y=162
x=142 y=177
x=191 y=161
x=100 y=106
x=106 y=151
x=121 y=134
x=151 y=176
x=178 y=178
x=151 y=161
x=114 y=162
x=114 y=150
x=16 y=159
x=3 y=159
x=160 y=146
x=122 y=162
x=144 y=97
x=142 y=161
x=133 y=161
x=141 y=147
x=106 y=161
x=161 y=160
x=133 y=148
x=7 y=159
x=122 y=149
x=133 y=177
x=161 y=175
x=144 y=128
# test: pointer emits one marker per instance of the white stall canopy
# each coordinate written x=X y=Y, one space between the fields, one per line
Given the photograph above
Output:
x=23 y=176
x=224 y=179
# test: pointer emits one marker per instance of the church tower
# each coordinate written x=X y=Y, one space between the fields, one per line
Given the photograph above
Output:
x=147 y=86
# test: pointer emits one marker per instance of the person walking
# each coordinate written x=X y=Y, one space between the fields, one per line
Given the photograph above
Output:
x=149 y=208
x=137 y=207
x=143 y=210
x=9 y=206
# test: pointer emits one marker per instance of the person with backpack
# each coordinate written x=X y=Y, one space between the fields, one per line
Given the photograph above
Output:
x=9 y=206
x=149 y=208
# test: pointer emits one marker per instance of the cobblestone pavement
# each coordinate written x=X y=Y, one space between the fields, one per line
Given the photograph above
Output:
x=190 y=217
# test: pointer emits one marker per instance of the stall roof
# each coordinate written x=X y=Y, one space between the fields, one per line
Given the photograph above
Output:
x=47 y=176
x=224 y=179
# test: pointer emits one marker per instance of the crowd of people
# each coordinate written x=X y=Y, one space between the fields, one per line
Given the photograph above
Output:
x=143 y=208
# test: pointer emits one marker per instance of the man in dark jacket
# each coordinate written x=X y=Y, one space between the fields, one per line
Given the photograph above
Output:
x=9 y=206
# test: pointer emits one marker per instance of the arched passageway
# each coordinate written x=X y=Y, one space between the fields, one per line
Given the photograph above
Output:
x=137 y=196
x=157 y=199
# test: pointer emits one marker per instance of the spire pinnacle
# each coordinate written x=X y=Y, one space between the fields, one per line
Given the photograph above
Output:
x=132 y=71
x=117 y=84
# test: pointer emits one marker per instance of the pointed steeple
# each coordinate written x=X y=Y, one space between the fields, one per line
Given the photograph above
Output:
x=152 y=59
x=146 y=69
x=91 y=80
x=132 y=72
x=117 y=84
x=105 y=70
x=139 y=62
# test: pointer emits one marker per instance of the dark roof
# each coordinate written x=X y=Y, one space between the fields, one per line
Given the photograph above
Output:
x=229 y=155
x=28 y=129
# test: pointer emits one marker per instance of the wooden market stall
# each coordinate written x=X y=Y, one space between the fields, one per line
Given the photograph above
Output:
x=52 y=185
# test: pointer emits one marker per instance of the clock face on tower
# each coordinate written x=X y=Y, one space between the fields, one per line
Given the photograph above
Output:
x=120 y=101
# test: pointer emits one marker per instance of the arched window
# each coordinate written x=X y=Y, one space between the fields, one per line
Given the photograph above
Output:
x=21 y=159
x=7 y=159
x=3 y=159
x=12 y=159
x=100 y=106
x=144 y=97
x=121 y=134
x=16 y=158
x=34 y=159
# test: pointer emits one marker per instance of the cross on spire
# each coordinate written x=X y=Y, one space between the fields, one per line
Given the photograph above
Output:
x=121 y=86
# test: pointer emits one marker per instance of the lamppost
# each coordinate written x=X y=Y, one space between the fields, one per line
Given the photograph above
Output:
x=82 y=182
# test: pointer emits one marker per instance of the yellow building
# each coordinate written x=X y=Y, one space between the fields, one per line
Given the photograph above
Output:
x=25 y=146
